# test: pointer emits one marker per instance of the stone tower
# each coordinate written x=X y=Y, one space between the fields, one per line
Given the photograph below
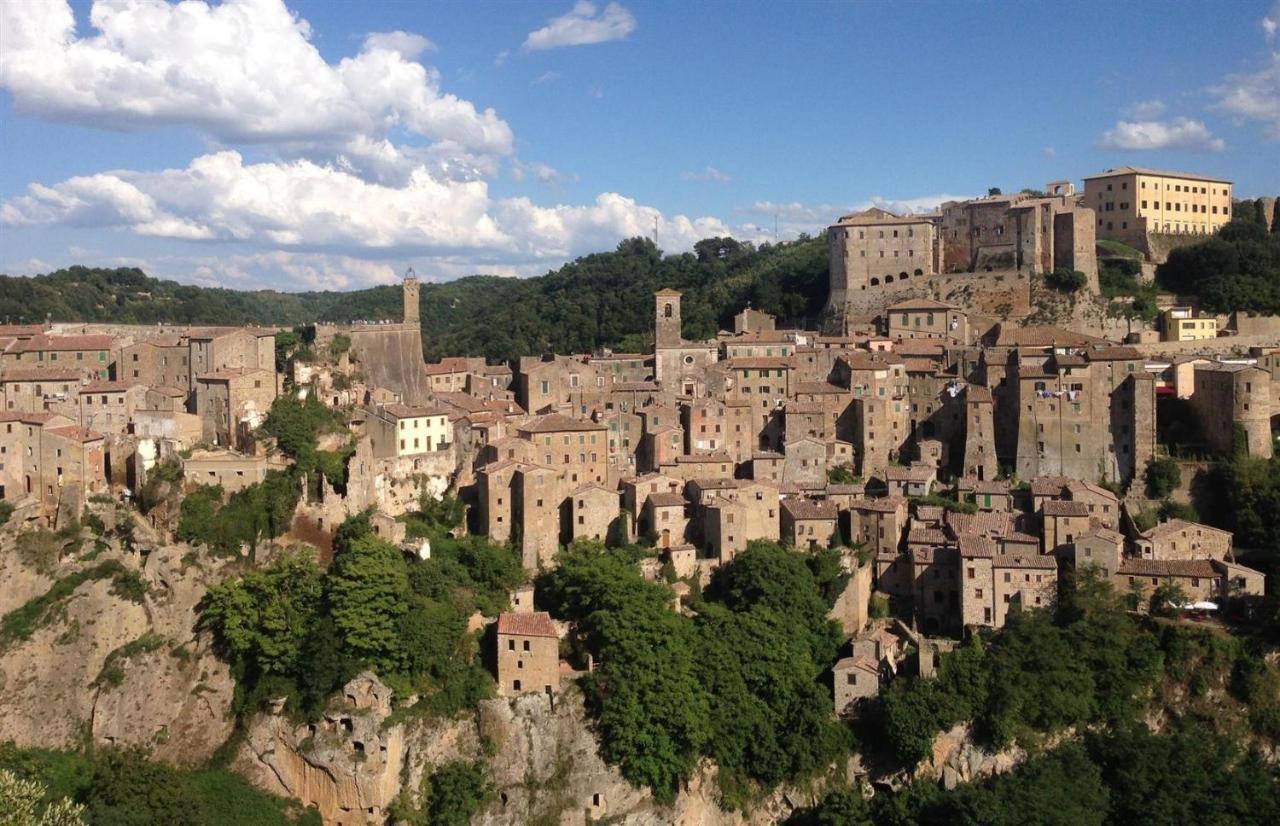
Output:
x=411 y=298
x=666 y=319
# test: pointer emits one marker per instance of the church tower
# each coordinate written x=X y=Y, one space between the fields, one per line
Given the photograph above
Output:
x=411 y=298
x=666 y=314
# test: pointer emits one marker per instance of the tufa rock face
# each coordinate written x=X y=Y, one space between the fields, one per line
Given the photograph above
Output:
x=171 y=694
x=347 y=765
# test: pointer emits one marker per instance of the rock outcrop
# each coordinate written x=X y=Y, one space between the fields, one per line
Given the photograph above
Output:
x=347 y=765
x=125 y=670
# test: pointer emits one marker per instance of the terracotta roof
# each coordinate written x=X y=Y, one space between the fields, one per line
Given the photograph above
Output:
x=167 y=390
x=1174 y=526
x=814 y=388
x=1103 y=533
x=883 y=504
x=41 y=374
x=1113 y=354
x=874 y=216
x=810 y=509
x=761 y=363
x=863 y=663
x=983 y=522
x=1063 y=507
x=978 y=393
x=921 y=535
x=1036 y=561
x=61 y=343
x=1042 y=336
x=975 y=545
x=536 y=624
x=919 y=347
x=405 y=411
x=859 y=360
x=1202 y=568
x=702 y=458
x=666 y=500
x=108 y=386
x=913 y=473
x=76 y=434
x=1142 y=170
x=558 y=423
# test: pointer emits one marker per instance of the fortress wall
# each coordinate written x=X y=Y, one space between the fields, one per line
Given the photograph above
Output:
x=391 y=356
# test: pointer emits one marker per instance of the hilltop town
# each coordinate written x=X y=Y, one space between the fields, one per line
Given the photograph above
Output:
x=958 y=460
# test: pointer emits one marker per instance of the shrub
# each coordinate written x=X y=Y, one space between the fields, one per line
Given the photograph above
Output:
x=1065 y=280
x=1163 y=477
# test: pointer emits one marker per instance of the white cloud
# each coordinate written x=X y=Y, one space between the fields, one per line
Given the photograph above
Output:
x=405 y=44
x=301 y=206
x=795 y=217
x=1254 y=97
x=582 y=26
x=243 y=71
x=1145 y=110
x=1049 y=153
x=709 y=173
x=1271 y=23
x=1151 y=135
x=545 y=77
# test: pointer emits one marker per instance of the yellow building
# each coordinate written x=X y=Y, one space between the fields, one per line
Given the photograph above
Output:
x=401 y=430
x=1182 y=324
x=1131 y=202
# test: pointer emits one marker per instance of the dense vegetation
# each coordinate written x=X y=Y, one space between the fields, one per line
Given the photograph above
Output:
x=1090 y=662
x=295 y=630
x=1124 y=777
x=123 y=788
x=263 y=510
x=741 y=683
x=1237 y=269
x=590 y=303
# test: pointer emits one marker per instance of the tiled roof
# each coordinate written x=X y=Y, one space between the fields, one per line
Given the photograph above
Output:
x=1168 y=567
x=1042 y=336
x=558 y=423
x=810 y=509
x=76 y=434
x=1175 y=526
x=1142 y=170
x=1062 y=507
x=536 y=624
x=666 y=500
x=61 y=343
x=920 y=304
x=41 y=374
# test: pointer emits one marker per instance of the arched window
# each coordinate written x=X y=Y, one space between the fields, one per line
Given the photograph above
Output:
x=667 y=311
x=875 y=282
x=901 y=275
x=888 y=279
x=919 y=271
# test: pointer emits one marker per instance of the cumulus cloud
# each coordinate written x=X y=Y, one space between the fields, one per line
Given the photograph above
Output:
x=405 y=44
x=243 y=71
x=794 y=217
x=1254 y=96
x=304 y=206
x=582 y=26
x=709 y=173
x=1151 y=135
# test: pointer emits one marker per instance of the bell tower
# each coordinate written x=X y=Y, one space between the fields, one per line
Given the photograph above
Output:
x=410 y=288
x=666 y=315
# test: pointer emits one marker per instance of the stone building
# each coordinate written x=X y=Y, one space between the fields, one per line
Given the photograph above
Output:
x=230 y=397
x=871 y=248
x=809 y=524
x=926 y=318
x=228 y=469
x=1180 y=539
x=41 y=389
x=1132 y=203
x=854 y=679
x=595 y=513
x=405 y=430
x=1018 y=232
x=108 y=406
x=1231 y=399
x=679 y=366
x=528 y=654
x=90 y=356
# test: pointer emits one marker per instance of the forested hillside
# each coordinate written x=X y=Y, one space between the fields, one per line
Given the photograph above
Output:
x=600 y=300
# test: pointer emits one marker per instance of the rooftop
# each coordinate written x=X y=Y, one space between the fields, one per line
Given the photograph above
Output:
x=536 y=624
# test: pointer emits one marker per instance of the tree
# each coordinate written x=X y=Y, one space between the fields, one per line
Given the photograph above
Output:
x=1066 y=280
x=262 y=619
x=1275 y=216
x=22 y=803
x=1164 y=475
x=993 y=192
x=367 y=589
x=455 y=791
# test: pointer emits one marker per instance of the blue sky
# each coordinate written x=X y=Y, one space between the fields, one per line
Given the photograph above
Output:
x=303 y=144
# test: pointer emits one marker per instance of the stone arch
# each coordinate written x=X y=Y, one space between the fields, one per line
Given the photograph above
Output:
x=875 y=282
x=919 y=271
x=902 y=276
x=667 y=311
x=888 y=279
